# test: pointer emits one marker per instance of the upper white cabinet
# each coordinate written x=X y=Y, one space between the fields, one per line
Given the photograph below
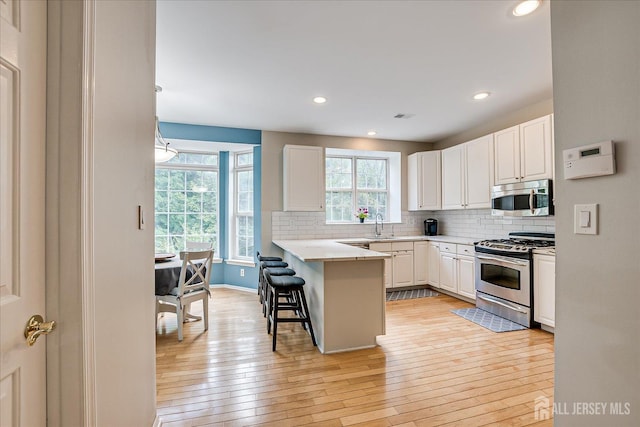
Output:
x=423 y=172
x=524 y=152
x=467 y=174
x=303 y=178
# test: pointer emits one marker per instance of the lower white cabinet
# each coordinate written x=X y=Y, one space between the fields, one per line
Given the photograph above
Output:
x=457 y=269
x=466 y=276
x=544 y=289
x=421 y=263
x=448 y=272
x=398 y=270
x=402 y=268
x=433 y=261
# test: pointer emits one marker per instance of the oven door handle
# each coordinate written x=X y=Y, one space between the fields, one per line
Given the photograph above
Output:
x=523 y=264
x=503 y=304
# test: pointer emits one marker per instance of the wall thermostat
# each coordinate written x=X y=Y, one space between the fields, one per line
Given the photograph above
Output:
x=589 y=160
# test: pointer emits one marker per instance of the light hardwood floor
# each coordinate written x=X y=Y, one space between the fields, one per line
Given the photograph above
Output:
x=432 y=368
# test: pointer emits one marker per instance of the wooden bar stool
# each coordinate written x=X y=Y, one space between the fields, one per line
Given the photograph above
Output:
x=274 y=271
x=261 y=283
x=292 y=288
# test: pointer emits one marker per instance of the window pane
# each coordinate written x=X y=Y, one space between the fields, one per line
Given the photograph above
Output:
x=176 y=201
x=339 y=173
x=375 y=202
x=162 y=179
x=176 y=179
x=194 y=159
x=244 y=159
x=244 y=240
x=339 y=206
x=186 y=203
x=162 y=201
x=244 y=192
x=372 y=174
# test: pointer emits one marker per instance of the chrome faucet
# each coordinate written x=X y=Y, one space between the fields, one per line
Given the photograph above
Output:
x=379 y=233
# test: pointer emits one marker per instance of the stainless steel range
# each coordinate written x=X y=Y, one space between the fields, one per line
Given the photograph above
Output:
x=504 y=275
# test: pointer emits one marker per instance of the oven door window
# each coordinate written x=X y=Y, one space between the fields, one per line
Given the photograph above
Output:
x=499 y=275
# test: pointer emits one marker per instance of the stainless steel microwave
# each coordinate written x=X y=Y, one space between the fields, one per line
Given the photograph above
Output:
x=529 y=198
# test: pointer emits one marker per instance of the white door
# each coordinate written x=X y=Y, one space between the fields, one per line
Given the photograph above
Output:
x=23 y=28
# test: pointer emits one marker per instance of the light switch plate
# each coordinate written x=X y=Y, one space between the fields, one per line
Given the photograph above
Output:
x=585 y=219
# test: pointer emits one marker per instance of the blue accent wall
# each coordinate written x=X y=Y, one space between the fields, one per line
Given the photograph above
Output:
x=225 y=273
x=210 y=133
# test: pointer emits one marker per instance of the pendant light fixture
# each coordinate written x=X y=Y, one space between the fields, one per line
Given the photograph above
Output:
x=163 y=152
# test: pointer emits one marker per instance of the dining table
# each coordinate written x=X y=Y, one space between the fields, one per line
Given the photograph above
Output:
x=168 y=268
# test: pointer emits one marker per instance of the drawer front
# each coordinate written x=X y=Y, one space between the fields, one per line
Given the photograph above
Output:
x=466 y=250
x=402 y=246
x=448 y=247
x=380 y=247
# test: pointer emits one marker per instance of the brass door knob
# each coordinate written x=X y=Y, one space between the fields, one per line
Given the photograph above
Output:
x=36 y=326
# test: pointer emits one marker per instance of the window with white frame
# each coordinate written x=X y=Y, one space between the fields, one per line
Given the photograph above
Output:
x=243 y=205
x=356 y=182
x=186 y=201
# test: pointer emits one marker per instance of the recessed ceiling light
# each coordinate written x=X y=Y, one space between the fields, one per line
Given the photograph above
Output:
x=372 y=133
x=319 y=99
x=526 y=7
x=481 y=95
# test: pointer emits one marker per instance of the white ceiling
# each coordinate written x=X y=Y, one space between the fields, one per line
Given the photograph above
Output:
x=258 y=64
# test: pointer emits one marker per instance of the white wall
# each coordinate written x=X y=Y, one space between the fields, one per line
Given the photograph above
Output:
x=122 y=167
x=124 y=176
x=272 y=145
x=504 y=121
x=596 y=77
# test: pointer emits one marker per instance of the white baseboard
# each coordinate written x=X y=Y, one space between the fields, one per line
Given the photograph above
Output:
x=157 y=422
x=235 y=287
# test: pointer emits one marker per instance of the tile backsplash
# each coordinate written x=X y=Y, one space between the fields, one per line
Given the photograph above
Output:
x=473 y=223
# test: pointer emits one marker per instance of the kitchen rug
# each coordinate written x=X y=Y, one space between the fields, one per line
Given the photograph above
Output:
x=487 y=320
x=410 y=294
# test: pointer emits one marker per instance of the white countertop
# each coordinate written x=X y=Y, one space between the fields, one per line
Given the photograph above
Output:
x=340 y=250
x=327 y=250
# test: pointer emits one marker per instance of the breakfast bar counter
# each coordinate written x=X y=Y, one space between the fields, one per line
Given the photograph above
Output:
x=344 y=289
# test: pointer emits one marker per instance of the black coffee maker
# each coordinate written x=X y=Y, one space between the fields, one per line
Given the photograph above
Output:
x=430 y=227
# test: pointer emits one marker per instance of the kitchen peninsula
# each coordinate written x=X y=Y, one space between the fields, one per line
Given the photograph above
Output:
x=345 y=291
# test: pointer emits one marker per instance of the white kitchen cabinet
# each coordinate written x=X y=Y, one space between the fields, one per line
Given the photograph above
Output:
x=448 y=272
x=421 y=262
x=433 y=269
x=303 y=178
x=524 y=152
x=453 y=177
x=544 y=289
x=402 y=268
x=457 y=269
x=398 y=270
x=466 y=276
x=424 y=177
x=467 y=174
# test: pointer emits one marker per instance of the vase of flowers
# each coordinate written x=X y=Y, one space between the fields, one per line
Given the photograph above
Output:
x=362 y=214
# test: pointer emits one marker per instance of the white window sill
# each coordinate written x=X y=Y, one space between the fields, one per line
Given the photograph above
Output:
x=217 y=261
x=241 y=262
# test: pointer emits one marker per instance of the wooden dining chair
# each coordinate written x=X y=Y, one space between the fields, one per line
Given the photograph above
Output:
x=189 y=289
